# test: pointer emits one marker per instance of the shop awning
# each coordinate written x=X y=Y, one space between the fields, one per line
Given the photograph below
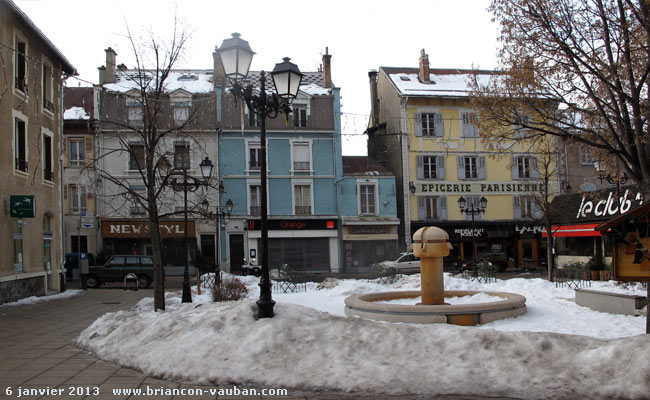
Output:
x=574 y=230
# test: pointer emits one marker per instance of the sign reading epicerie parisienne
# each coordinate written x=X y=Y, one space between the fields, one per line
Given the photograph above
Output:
x=477 y=187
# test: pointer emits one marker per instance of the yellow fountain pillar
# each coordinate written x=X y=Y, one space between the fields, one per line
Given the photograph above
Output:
x=431 y=244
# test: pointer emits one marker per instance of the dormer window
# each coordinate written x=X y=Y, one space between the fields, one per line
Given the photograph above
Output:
x=181 y=104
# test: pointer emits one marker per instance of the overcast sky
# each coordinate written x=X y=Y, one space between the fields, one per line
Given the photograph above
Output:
x=361 y=35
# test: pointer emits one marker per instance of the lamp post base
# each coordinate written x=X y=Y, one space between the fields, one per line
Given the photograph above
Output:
x=265 y=308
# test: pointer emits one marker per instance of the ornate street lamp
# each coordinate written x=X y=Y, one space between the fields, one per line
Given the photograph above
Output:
x=236 y=56
x=181 y=181
x=473 y=210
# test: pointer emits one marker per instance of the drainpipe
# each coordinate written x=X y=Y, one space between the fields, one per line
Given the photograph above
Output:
x=61 y=188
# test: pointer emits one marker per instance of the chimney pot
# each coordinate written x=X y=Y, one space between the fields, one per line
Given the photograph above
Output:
x=327 y=68
x=425 y=73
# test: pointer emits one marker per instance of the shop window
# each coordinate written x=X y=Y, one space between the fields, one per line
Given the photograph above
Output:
x=575 y=246
x=18 y=247
x=526 y=250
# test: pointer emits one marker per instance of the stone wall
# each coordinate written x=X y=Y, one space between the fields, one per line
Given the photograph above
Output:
x=11 y=291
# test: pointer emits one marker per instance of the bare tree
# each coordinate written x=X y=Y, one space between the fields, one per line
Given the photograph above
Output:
x=574 y=69
x=137 y=122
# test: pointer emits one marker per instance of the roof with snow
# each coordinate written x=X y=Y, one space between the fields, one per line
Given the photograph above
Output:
x=202 y=81
x=442 y=82
x=75 y=113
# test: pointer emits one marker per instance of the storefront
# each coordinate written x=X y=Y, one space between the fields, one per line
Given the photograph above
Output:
x=368 y=240
x=302 y=244
x=132 y=237
x=579 y=214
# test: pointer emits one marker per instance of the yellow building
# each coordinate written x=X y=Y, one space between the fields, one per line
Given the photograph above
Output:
x=423 y=129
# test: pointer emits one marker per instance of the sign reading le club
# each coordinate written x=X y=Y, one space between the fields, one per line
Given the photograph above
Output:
x=140 y=229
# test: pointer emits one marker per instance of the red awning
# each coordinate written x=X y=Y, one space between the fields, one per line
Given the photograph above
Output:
x=574 y=230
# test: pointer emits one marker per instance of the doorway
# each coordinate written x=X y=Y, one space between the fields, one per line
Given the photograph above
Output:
x=236 y=253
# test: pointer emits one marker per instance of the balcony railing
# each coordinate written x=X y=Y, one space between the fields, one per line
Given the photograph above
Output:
x=21 y=165
x=48 y=105
x=303 y=210
x=48 y=175
x=301 y=165
x=256 y=210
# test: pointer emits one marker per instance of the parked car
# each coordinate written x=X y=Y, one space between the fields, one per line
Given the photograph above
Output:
x=406 y=263
x=498 y=258
x=119 y=266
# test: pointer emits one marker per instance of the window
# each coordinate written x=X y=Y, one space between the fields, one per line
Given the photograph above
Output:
x=182 y=155
x=77 y=154
x=470 y=125
x=526 y=207
x=368 y=199
x=471 y=167
x=428 y=167
x=524 y=167
x=255 y=200
x=522 y=122
x=20 y=64
x=302 y=199
x=432 y=208
x=20 y=145
x=48 y=173
x=18 y=247
x=135 y=113
x=585 y=155
x=181 y=111
x=136 y=156
x=429 y=125
x=253 y=119
x=254 y=156
x=77 y=197
x=300 y=116
x=46 y=85
x=301 y=156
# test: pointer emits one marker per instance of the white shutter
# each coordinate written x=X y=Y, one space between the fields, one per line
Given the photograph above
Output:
x=419 y=165
x=440 y=167
x=461 y=167
x=418 y=124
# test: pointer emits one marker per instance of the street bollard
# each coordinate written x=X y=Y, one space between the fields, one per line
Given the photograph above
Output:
x=431 y=244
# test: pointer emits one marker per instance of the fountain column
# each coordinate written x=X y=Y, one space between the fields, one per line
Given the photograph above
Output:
x=431 y=244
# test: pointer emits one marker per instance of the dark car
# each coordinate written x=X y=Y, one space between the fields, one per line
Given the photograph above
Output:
x=498 y=258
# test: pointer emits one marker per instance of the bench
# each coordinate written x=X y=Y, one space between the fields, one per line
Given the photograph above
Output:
x=609 y=302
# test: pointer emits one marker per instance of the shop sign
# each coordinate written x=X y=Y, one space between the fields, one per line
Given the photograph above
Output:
x=469 y=232
x=368 y=229
x=522 y=229
x=609 y=206
x=292 y=224
x=441 y=188
x=140 y=229
x=22 y=206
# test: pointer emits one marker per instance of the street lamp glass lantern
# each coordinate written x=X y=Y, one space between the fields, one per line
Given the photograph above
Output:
x=462 y=203
x=204 y=205
x=206 y=168
x=287 y=78
x=236 y=57
x=229 y=206
x=483 y=203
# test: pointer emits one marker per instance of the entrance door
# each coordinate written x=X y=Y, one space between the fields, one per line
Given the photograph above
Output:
x=236 y=253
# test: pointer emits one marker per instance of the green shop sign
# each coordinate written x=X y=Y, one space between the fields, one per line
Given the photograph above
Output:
x=22 y=206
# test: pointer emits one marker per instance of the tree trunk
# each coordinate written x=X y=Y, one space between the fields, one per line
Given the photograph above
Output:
x=158 y=273
x=550 y=257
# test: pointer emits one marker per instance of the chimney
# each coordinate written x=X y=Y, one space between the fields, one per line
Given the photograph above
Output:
x=218 y=74
x=107 y=73
x=327 y=68
x=374 y=98
x=424 y=67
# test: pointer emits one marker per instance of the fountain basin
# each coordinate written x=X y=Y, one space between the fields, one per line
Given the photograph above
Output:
x=369 y=306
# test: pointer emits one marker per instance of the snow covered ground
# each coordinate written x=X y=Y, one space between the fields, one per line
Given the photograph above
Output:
x=556 y=350
x=39 y=299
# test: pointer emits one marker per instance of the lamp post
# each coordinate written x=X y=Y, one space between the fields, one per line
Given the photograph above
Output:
x=236 y=56
x=181 y=181
x=221 y=215
x=473 y=210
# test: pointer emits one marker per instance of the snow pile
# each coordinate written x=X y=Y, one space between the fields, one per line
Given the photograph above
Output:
x=75 y=113
x=311 y=346
x=39 y=299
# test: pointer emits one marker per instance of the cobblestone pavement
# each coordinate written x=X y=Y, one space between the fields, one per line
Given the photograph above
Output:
x=38 y=359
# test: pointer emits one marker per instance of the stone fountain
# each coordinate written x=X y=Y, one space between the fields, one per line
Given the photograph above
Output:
x=431 y=244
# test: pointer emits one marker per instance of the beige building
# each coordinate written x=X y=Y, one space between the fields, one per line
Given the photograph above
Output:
x=30 y=174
